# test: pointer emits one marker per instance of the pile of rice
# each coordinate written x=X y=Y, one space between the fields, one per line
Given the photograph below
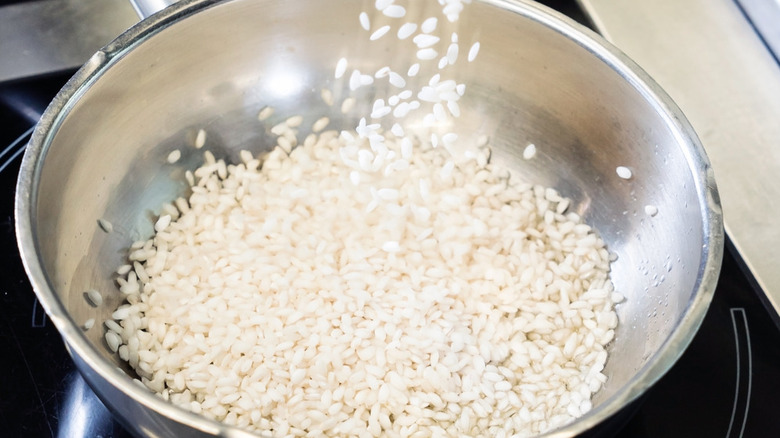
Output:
x=446 y=300
x=368 y=283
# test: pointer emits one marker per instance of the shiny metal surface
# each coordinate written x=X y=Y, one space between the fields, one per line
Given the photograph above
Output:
x=145 y=8
x=100 y=153
x=707 y=56
x=47 y=36
x=765 y=17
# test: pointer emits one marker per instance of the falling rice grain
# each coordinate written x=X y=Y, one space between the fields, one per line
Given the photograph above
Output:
x=406 y=30
x=429 y=25
x=397 y=80
x=341 y=68
x=382 y=72
x=452 y=53
x=424 y=40
x=624 y=172
x=394 y=11
x=354 y=80
x=473 y=51
x=426 y=54
x=381 y=5
x=454 y=108
x=379 y=33
x=365 y=23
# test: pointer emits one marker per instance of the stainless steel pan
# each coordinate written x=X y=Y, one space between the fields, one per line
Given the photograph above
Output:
x=99 y=153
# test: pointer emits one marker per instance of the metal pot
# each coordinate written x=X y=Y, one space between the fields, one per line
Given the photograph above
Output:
x=99 y=153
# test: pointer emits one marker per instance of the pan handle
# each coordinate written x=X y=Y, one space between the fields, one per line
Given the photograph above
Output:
x=145 y=8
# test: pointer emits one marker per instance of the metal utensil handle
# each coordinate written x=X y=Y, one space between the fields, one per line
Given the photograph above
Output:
x=145 y=8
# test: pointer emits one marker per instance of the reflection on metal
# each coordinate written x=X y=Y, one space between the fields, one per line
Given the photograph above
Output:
x=38 y=314
x=145 y=8
x=765 y=16
x=46 y=36
x=9 y=154
x=744 y=378
x=709 y=58
x=82 y=414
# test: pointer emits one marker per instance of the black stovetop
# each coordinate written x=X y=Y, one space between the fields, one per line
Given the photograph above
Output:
x=727 y=384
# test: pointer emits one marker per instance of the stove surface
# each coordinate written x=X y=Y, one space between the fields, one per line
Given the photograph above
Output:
x=727 y=384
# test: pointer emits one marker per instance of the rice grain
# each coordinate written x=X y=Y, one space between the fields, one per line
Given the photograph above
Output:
x=406 y=30
x=473 y=52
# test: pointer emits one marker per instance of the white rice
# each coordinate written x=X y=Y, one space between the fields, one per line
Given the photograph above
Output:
x=406 y=30
x=381 y=5
x=394 y=11
x=427 y=54
x=454 y=108
x=174 y=156
x=348 y=104
x=452 y=53
x=354 y=80
x=429 y=25
x=320 y=124
x=294 y=121
x=382 y=72
x=296 y=301
x=379 y=33
x=424 y=40
x=397 y=80
x=200 y=139
x=529 y=151
x=94 y=297
x=624 y=172
x=473 y=51
x=267 y=111
x=88 y=324
x=341 y=68
x=365 y=23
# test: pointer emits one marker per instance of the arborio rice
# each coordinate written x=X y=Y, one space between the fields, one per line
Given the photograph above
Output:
x=307 y=295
